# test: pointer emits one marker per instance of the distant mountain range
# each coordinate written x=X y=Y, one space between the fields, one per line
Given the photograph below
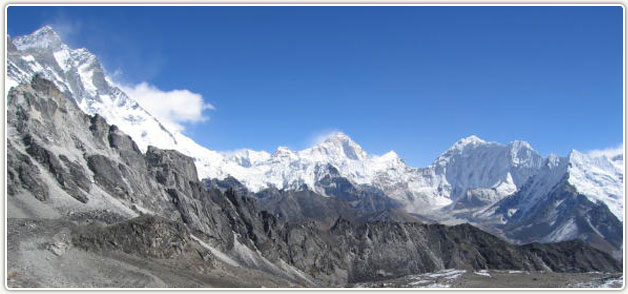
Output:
x=506 y=189
x=87 y=208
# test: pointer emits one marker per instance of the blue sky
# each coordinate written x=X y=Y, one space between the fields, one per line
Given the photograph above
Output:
x=409 y=79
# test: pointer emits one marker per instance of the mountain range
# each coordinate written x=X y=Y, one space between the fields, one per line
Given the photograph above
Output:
x=508 y=190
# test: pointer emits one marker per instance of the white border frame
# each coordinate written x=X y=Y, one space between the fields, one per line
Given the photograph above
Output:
x=312 y=3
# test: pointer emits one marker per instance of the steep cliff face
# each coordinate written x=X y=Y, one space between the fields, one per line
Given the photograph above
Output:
x=70 y=167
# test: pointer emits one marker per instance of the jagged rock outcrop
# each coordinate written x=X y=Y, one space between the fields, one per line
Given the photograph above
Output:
x=23 y=175
x=303 y=206
x=226 y=184
x=147 y=236
x=571 y=256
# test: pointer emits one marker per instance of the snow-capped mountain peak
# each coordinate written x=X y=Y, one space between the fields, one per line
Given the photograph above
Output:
x=248 y=157
x=552 y=161
x=44 y=37
x=472 y=140
x=338 y=136
x=472 y=164
x=338 y=145
x=522 y=153
x=517 y=145
x=78 y=73
x=283 y=152
x=391 y=156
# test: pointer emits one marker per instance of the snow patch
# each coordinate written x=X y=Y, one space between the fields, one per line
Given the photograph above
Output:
x=63 y=59
x=28 y=58
x=8 y=84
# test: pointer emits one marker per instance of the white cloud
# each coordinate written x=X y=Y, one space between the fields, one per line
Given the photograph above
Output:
x=608 y=152
x=172 y=108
